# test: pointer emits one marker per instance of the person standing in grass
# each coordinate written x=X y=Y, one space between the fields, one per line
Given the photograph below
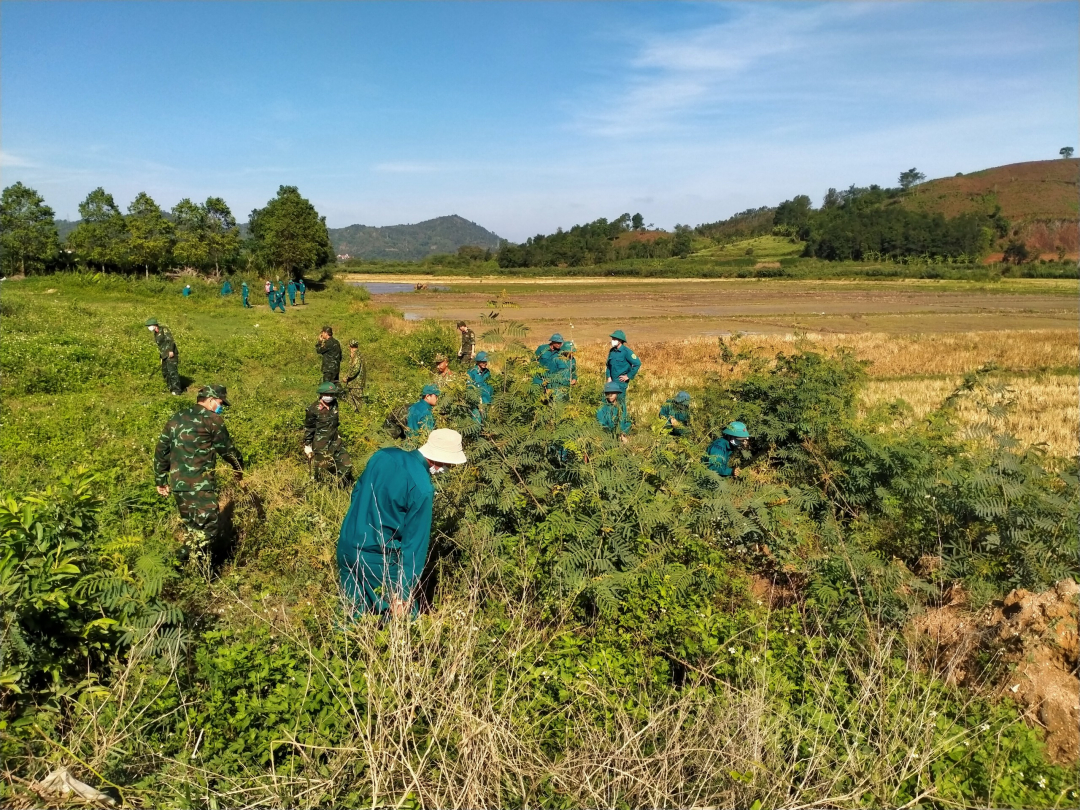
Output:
x=422 y=412
x=186 y=291
x=622 y=364
x=479 y=379
x=244 y=294
x=676 y=414
x=184 y=459
x=277 y=299
x=169 y=354
x=383 y=543
x=269 y=289
x=281 y=294
x=612 y=415
x=548 y=357
x=330 y=350
x=468 y=342
x=226 y=287
x=302 y=288
x=322 y=444
x=292 y=293
x=564 y=373
x=732 y=439
x=356 y=375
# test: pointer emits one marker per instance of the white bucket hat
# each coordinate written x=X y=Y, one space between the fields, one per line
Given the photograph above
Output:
x=443 y=446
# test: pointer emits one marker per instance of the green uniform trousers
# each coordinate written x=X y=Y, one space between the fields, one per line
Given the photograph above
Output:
x=170 y=370
x=199 y=512
x=333 y=462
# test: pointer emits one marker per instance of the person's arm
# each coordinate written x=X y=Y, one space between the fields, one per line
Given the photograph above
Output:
x=161 y=460
x=320 y=346
x=635 y=365
x=415 y=535
x=624 y=421
x=309 y=427
x=225 y=448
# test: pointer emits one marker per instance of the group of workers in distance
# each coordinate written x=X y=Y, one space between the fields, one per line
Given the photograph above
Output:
x=383 y=543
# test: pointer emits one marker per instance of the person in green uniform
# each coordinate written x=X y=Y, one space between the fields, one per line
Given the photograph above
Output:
x=244 y=295
x=226 y=287
x=184 y=459
x=732 y=439
x=322 y=444
x=383 y=543
x=281 y=294
x=186 y=291
x=422 y=412
x=622 y=364
x=468 y=342
x=563 y=373
x=479 y=379
x=292 y=293
x=356 y=377
x=548 y=357
x=277 y=299
x=302 y=289
x=330 y=350
x=612 y=415
x=169 y=354
x=676 y=414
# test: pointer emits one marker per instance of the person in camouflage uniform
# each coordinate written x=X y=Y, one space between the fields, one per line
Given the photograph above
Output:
x=184 y=460
x=169 y=354
x=321 y=440
x=330 y=350
x=356 y=378
x=468 y=342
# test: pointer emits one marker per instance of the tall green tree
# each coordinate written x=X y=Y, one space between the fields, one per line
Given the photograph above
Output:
x=222 y=234
x=912 y=177
x=149 y=234
x=1066 y=152
x=28 y=238
x=290 y=234
x=192 y=245
x=99 y=237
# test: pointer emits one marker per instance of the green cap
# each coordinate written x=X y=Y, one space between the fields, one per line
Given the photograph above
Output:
x=329 y=388
x=151 y=322
x=430 y=389
x=682 y=398
x=481 y=357
x=619 y=334
x=216 y=391
x=556 y=338
x=737 y=430
x=613 y=388
x=568 y=347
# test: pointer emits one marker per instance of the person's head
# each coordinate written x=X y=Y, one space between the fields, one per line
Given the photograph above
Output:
x=462 y=326
x=567 y=349
x=353 y=346
x=682 y=398
x=737 y=434
x=442 y=363
x=442 y=448
x=327 y=332
x=213 y=397
x=481 y=360
x=555 y=341
x=152 y=325
x=328 y=392
x=611 y=392
x=430 y=394
x=618 y=338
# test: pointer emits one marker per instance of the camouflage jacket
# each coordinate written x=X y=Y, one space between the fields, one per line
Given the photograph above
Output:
x=165 y=343
x=468 y=343
x=188 y=448
x=356 y=368
x=321 y=426
x=330 y=350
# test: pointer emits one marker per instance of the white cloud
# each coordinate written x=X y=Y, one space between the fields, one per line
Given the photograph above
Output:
x=14 y=161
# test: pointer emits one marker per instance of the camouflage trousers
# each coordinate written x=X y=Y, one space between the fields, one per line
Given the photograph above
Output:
x=200 y=514
x=170 y=370
x=333 y=461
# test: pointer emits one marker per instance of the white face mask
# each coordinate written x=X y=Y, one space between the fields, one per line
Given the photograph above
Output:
x=614 y=344
x=150 y=328
x=436 y=469
x=327 y=400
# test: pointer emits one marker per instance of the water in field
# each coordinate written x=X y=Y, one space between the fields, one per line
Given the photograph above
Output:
x=388 y=287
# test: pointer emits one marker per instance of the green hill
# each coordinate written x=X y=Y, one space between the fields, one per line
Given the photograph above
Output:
x=411 y=242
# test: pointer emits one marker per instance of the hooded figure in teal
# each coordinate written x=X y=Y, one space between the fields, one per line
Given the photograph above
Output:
x=733 y=438
x=302 y=289
x=244 y=294
x=422 y=413
x=384 y=538
x=292 y=293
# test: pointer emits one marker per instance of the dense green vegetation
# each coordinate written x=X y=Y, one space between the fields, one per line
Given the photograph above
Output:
x=591 y=636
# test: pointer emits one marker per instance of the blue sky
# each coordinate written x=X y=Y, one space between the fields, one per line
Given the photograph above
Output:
x=524 y=116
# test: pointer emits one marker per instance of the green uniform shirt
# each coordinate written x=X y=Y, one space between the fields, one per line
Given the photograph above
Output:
x=165 y=343
x=672 y=410
x=468 y=343
x=330 y=350
x=188 y=448
x=612 y=416
x=321 y=426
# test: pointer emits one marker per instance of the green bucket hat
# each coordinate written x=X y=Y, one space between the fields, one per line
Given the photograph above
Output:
x=613 y=388
x=216 y=391
x=329 y=388
x=481 y=357
x=556 y=338
x=619 y=334
x=682 y=398
x=737 y=430
x=568 y=347
x=151 y=322
x=430 y=389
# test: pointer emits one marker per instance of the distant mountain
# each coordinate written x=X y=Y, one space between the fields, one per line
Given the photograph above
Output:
x=411 y=242
x=65 y=226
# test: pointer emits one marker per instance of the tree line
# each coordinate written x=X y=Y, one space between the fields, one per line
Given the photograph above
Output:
x=596 y=242
x=287 y=235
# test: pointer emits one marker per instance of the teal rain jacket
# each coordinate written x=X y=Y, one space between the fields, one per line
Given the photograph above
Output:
x=384 y=538
x=612 y=416
x=480 y=379
x=421 y=417
x=622 y=361
x=720 y=456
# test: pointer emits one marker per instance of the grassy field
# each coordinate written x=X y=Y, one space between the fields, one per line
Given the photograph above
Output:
x=594 y=637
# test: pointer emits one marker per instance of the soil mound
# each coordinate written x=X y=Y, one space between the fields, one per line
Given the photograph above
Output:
x=1025 y=647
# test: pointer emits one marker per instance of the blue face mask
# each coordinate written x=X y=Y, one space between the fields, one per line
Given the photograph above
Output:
x=218 y=409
